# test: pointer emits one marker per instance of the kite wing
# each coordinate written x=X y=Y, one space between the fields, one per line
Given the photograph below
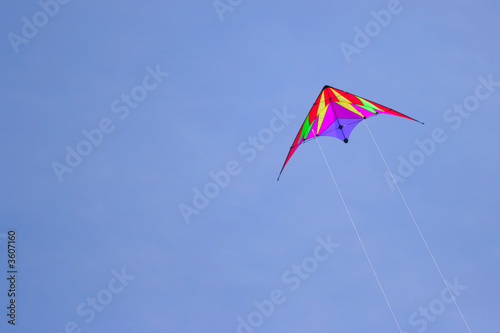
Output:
x=335 y=113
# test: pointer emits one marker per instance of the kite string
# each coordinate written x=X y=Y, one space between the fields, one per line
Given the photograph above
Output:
x=418 y=228
x=359 y=237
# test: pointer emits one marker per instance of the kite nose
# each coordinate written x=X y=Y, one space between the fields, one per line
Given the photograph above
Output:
x=346 y=140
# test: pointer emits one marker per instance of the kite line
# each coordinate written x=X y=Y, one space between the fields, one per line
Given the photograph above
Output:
x=359 y=238
x=418 y=228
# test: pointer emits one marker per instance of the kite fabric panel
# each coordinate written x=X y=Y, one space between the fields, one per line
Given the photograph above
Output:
x=335 y=113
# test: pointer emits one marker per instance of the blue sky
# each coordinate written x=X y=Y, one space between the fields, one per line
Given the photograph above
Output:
x=104 y=247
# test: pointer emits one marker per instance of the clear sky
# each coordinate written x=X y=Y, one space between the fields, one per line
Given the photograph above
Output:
x=140 y=147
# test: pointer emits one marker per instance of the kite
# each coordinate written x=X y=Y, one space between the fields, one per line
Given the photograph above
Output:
x=335 y=113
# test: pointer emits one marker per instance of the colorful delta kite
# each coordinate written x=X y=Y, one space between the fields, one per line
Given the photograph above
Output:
x=336 y=113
